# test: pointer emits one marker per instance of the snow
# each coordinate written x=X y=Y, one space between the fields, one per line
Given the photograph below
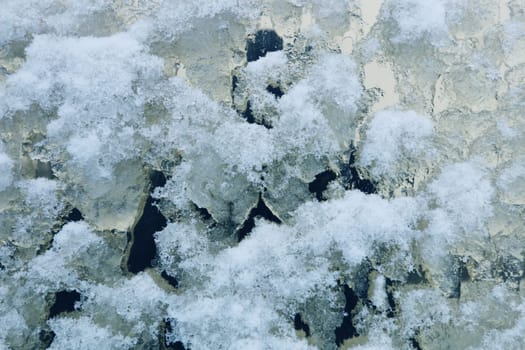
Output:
x=465 y=193
x=393 y=136
x=102 y=94
x=81 y=333
x=417 y=19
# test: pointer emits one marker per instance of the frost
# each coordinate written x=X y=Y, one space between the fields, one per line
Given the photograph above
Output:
x=135 y=304
x=320 y=101
x=287 y=265
x=379 y=296
x=87 y=79
x=360 y=172
x=465 y=193
x=41 y=195
x=82 y=333
x=20 y=19
x=422 y=309
x=69 y=245
x=12 y=323
x=417 y=19
x=394 y=136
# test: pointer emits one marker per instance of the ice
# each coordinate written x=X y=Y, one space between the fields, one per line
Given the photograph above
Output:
x=6 y=169
x=269 y=121
x=512 y=181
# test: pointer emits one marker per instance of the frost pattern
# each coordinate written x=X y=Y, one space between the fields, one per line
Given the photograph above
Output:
x=396 y=135
x=364 y=184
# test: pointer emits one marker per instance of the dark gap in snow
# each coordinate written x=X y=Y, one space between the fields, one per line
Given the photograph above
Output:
x=46 y=337
x=508 y=268
x=247 y=114
x=157 y=178
x=319 y=185
x=264 y=41
x=74 y=215
x=414 y=343
x=177 y=345
x=143 y=249
x=203 y=213
x=416 y=276
x=347 y=329
x=458 y=274
x=275 y=90
x=170 y=279
x=463 y=273
x=64 y=302
x=235 y=83
x=250 y=118
x=300 y=325
x=390 y=297
x=260 y=211
x=355 y=181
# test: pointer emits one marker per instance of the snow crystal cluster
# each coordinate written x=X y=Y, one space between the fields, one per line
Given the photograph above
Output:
x=262 y=174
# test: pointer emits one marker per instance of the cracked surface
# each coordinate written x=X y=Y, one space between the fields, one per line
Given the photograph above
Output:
x=326 y=174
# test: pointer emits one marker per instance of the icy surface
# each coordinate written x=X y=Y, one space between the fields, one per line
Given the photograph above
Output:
x=352 y=169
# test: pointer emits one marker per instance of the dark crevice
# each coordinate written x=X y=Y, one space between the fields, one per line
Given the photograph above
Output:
x=170 y=279
x=203 y=213
x=247 y=114
x=177 y=345
x=46 y=337
x=508 y=268
x=64 y=302
x=300 y=325
x=74 y=216
x=143 y=249
x=390 y=297
x=260 y=211
x=415 y=344
x=347 y=329
x=319 y=185
x=463 y=273
x=235 y=83
x=416 y=276
x=250 y=118
x=276 y=91
x=158 y=179
x=263 y=42
x=355 y=181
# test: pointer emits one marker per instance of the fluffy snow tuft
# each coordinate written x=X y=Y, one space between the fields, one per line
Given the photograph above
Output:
x=82 y=333
x=393 y=136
